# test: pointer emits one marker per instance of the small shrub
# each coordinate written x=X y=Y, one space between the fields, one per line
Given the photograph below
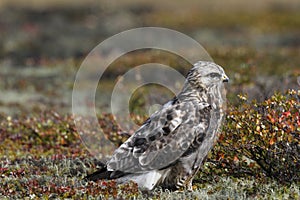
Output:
x=261 y=139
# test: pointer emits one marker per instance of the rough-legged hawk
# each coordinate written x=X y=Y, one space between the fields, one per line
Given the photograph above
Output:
x=169 y=148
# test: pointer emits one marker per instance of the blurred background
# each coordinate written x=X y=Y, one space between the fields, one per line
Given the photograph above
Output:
x=42 y=44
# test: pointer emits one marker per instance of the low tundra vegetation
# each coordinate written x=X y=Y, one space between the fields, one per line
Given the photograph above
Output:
x=256 y=156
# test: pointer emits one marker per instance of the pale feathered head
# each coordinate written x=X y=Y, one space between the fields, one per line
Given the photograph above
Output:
x=206 y=74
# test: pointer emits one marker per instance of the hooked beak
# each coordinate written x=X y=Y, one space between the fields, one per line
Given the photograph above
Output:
x=225 y=78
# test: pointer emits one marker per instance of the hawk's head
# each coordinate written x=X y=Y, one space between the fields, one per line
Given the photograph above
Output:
x=206 y=74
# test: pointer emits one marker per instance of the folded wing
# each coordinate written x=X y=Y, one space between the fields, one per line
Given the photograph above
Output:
x=161 y=140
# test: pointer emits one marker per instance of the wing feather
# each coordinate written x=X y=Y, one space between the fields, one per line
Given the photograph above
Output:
x=163 y=138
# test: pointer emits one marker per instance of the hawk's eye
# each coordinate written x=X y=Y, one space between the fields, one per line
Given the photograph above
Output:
x=214 y=75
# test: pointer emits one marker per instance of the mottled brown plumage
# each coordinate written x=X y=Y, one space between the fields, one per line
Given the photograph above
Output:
x=169 y=148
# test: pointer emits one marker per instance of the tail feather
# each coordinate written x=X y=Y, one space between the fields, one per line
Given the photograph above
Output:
x=147 y=180
x=103 y=173
x=100 y=174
